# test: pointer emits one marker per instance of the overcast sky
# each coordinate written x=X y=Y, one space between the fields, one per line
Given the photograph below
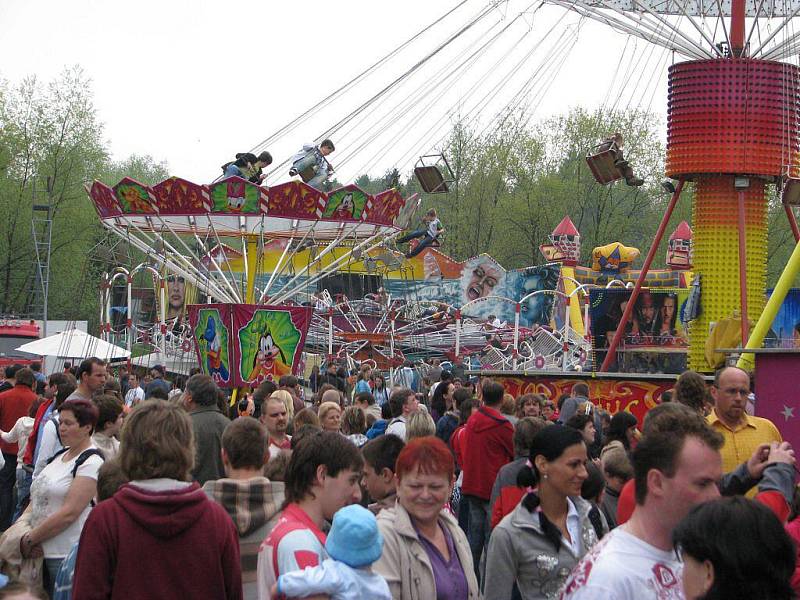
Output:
x=193 y=82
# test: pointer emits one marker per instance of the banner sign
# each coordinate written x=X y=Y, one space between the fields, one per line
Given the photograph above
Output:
x=269 y=341
x=211 y=329
x=244 y=344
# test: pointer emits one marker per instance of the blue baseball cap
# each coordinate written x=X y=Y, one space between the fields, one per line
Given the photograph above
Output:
x=354 y=538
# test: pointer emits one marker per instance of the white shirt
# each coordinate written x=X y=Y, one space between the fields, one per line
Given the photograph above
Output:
x=274 y=449
x=574 y=528
x=48 y=492
x=397 y=427
x=434 y=227
x=624 y=567
x=109 y=446
x=134 y=395
x=49 y=445
x=19 y=434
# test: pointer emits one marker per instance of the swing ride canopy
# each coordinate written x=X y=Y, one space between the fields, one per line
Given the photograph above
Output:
x=234 y=207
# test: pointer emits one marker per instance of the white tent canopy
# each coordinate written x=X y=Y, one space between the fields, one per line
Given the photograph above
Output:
x=74 y=343
x=179 y=364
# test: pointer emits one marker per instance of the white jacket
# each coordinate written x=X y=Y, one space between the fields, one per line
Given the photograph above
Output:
x=336 y=579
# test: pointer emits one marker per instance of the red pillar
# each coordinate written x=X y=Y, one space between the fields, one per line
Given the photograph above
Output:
x=737 y=27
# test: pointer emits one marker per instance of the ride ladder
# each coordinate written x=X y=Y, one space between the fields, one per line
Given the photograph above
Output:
x=42 y=235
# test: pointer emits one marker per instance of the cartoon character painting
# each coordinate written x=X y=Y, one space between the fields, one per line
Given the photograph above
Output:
x=212 y=343
x=269 y=343
x=270 y=361
x=236 y=195
x=479 y=278
x=135 y=198
x=215 y=367
x=345 y=208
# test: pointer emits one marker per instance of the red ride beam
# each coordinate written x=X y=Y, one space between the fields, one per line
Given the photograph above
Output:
x=737 y=27
x=792 y=222
x=612 y=349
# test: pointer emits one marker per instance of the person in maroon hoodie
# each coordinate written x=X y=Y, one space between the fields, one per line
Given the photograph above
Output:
x=159 y=536
x=488 y=444
x=14 y=403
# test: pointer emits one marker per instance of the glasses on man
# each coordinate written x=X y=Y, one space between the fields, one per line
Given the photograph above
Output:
x=735 y=391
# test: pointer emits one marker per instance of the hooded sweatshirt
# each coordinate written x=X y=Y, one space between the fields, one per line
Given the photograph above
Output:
x=488 y=444
x=158 y=539
x=254 y=505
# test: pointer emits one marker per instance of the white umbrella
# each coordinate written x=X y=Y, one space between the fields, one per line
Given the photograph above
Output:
x=179 y=364
x=74 y=343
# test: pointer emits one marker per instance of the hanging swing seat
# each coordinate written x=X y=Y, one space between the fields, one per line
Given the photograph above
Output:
x=310 y=171
x=434 y=174
x=436 y=243
x=601 y=163
x=791 y=191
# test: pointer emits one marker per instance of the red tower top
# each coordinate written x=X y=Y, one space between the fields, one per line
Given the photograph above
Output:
x=565 y=243
x=736 y=116
x=682 y=232
x=566 y=227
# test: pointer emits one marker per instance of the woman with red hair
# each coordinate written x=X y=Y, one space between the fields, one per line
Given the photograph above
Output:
x=425 y=553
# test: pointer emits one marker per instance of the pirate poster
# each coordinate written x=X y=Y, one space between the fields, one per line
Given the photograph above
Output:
x=654 y=340
x=270 y=341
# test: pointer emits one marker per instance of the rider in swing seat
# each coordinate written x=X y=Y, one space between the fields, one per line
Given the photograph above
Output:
x=433 y=229
x=614 y=143
x=312 y=158
x=248 y=166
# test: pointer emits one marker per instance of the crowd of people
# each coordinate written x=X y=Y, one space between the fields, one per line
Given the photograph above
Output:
x=129 y=486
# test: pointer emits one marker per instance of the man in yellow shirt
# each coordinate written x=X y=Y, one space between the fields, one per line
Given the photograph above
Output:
x=743 y=433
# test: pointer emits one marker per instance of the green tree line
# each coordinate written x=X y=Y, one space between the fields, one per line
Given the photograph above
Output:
x=512 y=185
x=51 y=145
x=515 y=183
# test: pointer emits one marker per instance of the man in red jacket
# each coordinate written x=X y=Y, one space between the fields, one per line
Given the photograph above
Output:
x=14 y=403
x=488 y=445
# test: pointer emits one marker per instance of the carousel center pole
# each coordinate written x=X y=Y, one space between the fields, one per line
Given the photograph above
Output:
x=250 y=260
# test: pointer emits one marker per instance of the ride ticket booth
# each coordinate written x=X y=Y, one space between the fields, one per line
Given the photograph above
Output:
x=777 y=387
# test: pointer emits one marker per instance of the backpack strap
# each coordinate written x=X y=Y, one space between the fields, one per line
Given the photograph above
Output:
x=84 y=456
x=56 y=455
x=597 y=521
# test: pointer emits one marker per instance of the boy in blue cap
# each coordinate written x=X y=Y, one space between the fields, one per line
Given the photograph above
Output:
x=353 y=544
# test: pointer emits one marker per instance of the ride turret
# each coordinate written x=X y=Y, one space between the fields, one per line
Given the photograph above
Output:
x=565 y=244
x=679 y=252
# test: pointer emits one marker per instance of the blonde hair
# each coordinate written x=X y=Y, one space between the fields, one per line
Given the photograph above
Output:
x=327 y=407
x=287 y=400
x=157 y=441
x=420 y=424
